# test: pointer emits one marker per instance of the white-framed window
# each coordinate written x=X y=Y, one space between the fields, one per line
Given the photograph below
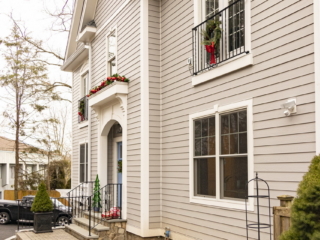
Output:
x=233 y=51
x=221 y=155
x=112 y=52
x=84 y=84
x=83 y=177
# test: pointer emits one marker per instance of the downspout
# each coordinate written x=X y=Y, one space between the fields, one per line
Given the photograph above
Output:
x=89 y=116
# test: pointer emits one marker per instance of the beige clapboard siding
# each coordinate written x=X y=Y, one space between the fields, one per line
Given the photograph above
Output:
x=128 y=65
x=154 y=115
x=283 y=68
x=79 y=135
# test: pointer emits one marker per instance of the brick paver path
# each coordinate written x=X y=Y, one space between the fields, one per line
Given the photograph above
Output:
x=56 y=234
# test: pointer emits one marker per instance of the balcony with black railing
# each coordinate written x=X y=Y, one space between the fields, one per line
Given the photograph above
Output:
x=219 y=38
x=83 y=109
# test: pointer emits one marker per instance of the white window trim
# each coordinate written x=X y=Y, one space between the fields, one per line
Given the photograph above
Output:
x=217 y=111
x=233 y=64
x=112 y=30
x=81 y=143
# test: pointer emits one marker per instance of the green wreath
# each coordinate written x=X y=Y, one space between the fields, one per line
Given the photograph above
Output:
x=212 y=34
x=82 y=107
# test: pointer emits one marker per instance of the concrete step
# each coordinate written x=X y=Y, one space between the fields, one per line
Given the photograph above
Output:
x=79 y=232
x=96 y=228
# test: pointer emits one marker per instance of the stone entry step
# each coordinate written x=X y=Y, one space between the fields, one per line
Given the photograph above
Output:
x=96 y=228
x=79 y=232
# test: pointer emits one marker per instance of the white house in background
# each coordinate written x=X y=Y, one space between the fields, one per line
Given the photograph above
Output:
x=36 y=162
x=190 y=133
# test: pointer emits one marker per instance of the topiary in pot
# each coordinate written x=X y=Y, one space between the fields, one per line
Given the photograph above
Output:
x=42 y=207
x=305 y=211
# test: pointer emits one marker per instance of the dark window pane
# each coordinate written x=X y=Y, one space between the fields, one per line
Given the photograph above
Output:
x=197 y=128
x=205 y=123
x=82 y=153
x=197 y=147
x=225 y=144
x=205 y=176
x=204 y=146
x=86 y=158
x=233 y=143
x=212 y=146
x=234 y=176
x=224 y=124
x=81 y=172
x=212 y=126
x=243 y=143
x=243 y=121
x=233 y=122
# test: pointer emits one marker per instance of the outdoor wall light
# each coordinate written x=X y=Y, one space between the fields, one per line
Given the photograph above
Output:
x=290 y=107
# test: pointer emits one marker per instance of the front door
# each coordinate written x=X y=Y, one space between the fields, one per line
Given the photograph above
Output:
x=119 y=160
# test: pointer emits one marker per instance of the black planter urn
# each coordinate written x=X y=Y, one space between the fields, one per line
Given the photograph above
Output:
x=42 y=222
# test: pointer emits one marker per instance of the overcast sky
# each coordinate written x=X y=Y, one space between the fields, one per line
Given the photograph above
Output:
x=33 y=16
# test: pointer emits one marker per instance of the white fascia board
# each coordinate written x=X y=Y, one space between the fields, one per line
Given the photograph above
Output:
x=88 y=13
x=316 y=24
x=71 y=46
x=223 y=69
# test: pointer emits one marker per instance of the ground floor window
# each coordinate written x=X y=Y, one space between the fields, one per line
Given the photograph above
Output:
x=83 y=162
x=220 y=153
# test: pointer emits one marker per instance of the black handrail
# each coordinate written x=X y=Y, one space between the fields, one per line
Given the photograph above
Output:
x=111 y=204
x=232 y=42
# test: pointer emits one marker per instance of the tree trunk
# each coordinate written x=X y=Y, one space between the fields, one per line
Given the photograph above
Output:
x=16 y=169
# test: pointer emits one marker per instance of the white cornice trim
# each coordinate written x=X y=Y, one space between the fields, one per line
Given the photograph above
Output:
x=144 y=83
x=71 y=46
x=316 y=24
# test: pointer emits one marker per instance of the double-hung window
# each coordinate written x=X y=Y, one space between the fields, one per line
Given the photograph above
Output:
x=221 y=155
x=83 y=162
x=111 y=53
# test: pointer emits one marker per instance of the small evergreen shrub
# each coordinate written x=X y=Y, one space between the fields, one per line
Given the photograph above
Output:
x=305 y=211
x=42 y=201
x=96 y=196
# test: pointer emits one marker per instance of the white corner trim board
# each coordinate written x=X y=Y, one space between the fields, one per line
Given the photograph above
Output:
x=144 y=83
x=316 y=24
x=225 y=68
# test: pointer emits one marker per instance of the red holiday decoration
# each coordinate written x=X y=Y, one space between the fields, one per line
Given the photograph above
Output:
x=210 y=49
x=114 y=213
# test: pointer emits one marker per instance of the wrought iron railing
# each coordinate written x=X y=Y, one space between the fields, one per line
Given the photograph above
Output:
x=230 y=23
x=83 y=109
x=109 y=206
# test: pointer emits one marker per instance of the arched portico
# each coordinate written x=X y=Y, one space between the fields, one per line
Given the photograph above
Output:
x=111 y=108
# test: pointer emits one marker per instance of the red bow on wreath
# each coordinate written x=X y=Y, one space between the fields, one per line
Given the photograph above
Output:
x=210 y=49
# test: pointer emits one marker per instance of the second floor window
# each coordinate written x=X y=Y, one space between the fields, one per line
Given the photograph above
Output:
x=84 y=85
x=111 y=54
x=221 y=34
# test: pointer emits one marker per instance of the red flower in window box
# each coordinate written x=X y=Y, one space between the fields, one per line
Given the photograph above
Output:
x=210 y=49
